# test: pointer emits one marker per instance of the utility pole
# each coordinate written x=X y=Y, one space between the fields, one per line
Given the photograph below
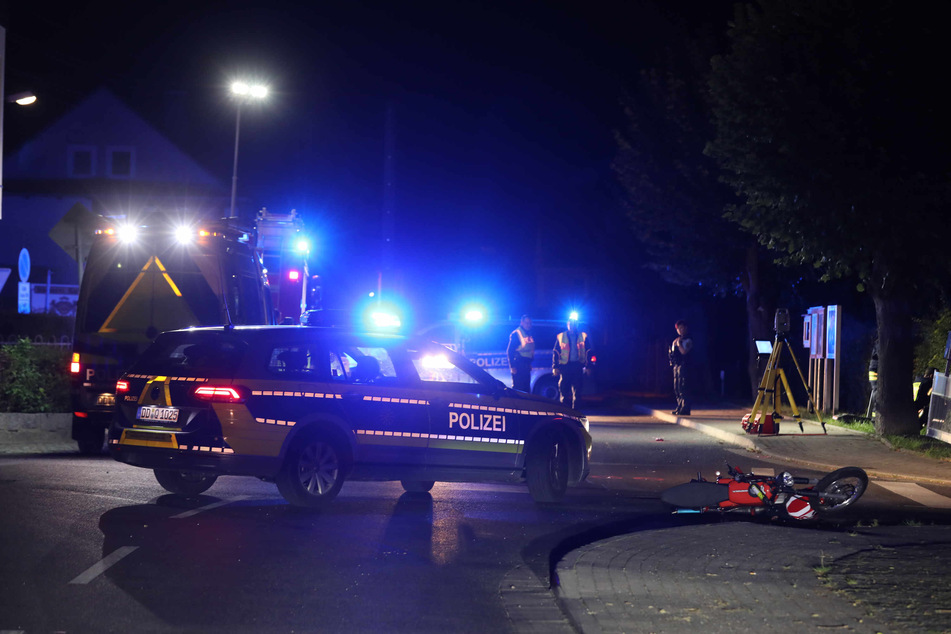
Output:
x=389 y=212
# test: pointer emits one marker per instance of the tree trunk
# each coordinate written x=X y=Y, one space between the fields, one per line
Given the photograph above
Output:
x=894 y=408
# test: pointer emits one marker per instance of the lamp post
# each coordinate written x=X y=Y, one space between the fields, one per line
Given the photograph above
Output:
x=243 y=93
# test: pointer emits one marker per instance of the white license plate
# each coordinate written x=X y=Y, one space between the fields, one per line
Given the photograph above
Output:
x=161 y=414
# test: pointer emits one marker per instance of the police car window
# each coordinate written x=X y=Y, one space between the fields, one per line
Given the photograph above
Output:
x=193 y=356
x=435 y=366
x=340 y=367
x=299 y=360
x=363 y=364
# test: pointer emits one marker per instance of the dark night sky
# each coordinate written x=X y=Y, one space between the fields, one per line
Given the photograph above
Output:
x=503 y=111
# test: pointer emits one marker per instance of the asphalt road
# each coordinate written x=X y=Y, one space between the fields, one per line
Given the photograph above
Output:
x=91 y=545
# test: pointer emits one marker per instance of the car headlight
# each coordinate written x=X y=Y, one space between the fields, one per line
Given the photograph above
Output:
x=584 y=423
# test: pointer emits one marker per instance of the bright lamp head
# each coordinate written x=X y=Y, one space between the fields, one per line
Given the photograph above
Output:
x=244 y=89
x=184 y=234
x=127 y=233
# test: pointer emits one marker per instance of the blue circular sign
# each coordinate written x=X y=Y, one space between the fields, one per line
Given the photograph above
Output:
x=23 y=264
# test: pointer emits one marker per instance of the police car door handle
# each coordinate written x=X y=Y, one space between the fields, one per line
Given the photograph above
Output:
x=352 y=396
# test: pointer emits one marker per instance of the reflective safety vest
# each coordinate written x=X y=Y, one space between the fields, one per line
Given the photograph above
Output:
x=526 y=346
x=566 y=353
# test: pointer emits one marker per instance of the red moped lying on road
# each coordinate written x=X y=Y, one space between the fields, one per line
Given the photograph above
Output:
x=776 y=496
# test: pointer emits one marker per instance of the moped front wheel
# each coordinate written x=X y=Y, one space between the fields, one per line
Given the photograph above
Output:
x=840 y=489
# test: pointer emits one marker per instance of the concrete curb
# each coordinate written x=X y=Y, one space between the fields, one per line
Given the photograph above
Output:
x=749 y=443
x=52 y=422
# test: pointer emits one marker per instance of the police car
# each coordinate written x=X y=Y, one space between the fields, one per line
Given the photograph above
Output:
x=485 y=344
x=308 y=407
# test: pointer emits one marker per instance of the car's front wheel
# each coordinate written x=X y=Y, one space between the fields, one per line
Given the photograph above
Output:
x=184 y=482
x=313 y=471
x=547 y=386
x=546 y=467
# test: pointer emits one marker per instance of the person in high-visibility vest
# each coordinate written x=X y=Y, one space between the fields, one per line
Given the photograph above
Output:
x=872 y=381
x=569 y=362
x=521 y=351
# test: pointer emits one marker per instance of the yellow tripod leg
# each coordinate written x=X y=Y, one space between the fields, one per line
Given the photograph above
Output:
x=792 y=400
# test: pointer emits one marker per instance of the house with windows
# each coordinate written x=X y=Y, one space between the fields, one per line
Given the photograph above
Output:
x=99 y=162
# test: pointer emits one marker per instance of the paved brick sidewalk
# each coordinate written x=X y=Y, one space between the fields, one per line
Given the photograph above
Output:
x=742 y=576
x=729 y=575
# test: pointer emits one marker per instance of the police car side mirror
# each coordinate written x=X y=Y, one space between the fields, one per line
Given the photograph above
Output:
x=498 y=389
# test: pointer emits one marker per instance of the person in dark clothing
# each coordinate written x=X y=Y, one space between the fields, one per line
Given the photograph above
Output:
x=569 y=362
x=521 y=351
x=679 y=353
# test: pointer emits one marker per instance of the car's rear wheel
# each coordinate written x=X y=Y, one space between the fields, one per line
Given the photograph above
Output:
x=184 y=482
x=417 y=486
x=546 y=467
x=92 y=441
x=313 y=471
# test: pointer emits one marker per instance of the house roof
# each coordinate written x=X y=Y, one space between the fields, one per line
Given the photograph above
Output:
x=103 y=123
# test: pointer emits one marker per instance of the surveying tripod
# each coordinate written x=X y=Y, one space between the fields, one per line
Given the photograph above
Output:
x=767 y=410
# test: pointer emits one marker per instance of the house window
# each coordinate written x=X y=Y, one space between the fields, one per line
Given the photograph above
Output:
x=121 y=162
x=82 y=161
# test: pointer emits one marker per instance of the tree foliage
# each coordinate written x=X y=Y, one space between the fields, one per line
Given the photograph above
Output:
x=673 y=197
x=829 y=131
x=33 y=378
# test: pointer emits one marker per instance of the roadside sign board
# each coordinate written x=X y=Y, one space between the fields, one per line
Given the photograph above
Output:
x=23 y=265
x=939 y=412
x=23 y=298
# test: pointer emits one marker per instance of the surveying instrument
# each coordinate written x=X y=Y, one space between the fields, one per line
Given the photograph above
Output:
x=764 y=419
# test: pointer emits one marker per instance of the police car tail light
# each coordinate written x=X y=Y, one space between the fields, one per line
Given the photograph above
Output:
x=74 y=364
x=122 y=386
x=219 y=394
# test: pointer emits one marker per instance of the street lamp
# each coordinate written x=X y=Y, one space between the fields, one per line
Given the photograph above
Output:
x=25 y=98
x=243 y=93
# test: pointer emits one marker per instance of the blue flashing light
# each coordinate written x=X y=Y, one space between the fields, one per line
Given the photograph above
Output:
x=385 y=320
x=474 y=315
x=302 y=246
x=573 y=315
x=382 y=315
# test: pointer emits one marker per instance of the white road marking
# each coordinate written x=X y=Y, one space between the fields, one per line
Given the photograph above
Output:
x=101 y=566
x=917 y=493
x=208 y=507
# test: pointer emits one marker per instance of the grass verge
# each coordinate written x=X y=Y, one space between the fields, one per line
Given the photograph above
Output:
x=921 y=444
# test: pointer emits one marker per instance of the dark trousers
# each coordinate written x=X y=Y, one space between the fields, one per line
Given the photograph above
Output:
x=569 y=383
x=680 y=389
x=522 y=378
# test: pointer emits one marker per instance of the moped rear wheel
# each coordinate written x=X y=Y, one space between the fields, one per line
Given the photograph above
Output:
x=840 y=489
